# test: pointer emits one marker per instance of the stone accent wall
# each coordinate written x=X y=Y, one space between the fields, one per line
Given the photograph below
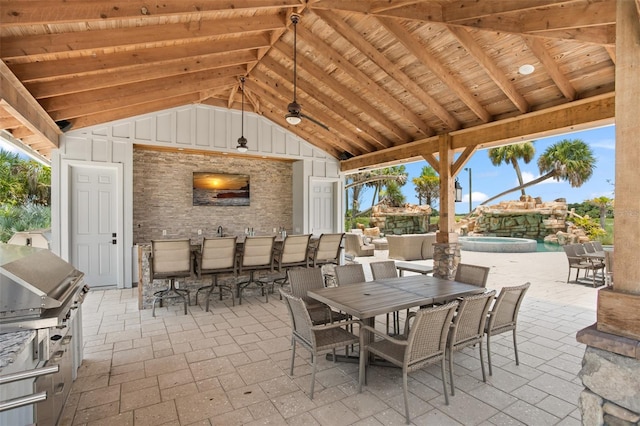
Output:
x=410 y=219
x=528 y=218
x=163 y=196
x=612 y=386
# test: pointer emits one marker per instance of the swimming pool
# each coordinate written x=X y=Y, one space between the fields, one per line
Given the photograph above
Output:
x=499 y=244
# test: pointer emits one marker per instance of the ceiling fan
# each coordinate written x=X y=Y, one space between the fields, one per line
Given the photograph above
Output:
x=295 y=114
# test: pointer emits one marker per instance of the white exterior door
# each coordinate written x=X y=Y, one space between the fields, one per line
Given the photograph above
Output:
x=95 y=222
x=324 y=207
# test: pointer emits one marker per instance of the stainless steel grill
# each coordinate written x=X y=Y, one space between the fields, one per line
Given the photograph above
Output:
x=40 y=291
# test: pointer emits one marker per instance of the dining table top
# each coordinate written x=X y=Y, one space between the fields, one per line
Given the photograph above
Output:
x=369 y=299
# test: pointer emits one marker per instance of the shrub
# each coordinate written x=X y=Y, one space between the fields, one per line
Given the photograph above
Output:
x=22 y=218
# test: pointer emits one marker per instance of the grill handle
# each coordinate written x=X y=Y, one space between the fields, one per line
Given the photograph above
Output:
x=22 y=401
x=28 y=374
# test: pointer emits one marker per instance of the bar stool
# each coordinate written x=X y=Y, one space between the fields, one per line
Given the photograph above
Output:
x=170 y=259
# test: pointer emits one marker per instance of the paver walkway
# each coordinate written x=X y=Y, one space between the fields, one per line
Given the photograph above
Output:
x=230 y=366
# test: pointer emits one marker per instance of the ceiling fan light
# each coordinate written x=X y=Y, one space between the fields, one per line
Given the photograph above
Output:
x=242 y=144
x=293 y=119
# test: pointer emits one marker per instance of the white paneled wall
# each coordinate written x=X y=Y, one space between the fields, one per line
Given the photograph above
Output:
x=197 y=127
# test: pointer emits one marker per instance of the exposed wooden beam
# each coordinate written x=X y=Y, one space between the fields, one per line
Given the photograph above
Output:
x=146 y=90
x=462 y=159
x=420 y=51
x=361 y=143
x=496 y=74
x=349 y=93
x=324 y=98
x=15 y=98
x=138 y=73
x=364 y=81
x=40 y=12
x=267 y=94
x=577 y=115
x=551 y=67
x=139 y=36
x=360 y=43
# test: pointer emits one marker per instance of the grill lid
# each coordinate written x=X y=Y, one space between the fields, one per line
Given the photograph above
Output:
x=33 y=279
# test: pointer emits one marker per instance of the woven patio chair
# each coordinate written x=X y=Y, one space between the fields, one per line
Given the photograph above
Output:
x=426 y=344
x=608 y=264
x=303 y=280
x=503 y=316
x=387 y=269
x=349 y=274
x=579 y=263
x=217 y=256
x=468 y=327
x=472 y=274
x=317 y=339
x=597 y=245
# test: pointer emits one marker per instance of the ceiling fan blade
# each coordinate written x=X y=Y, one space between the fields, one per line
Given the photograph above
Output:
x=324 y=126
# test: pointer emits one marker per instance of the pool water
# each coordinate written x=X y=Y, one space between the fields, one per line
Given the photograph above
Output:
x=506 y=245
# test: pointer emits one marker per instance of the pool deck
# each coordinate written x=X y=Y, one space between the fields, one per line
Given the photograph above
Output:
x=231 y=365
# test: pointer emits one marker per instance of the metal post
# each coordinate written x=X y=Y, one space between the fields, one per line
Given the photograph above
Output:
x=470 y=192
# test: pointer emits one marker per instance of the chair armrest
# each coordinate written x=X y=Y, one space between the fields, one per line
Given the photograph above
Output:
x=382 y=335
x=335 y=325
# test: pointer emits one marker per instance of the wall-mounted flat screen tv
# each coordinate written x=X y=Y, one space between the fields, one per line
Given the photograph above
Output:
x=220 y=189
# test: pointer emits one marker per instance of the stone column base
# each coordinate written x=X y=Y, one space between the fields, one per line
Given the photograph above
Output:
x=446 y=257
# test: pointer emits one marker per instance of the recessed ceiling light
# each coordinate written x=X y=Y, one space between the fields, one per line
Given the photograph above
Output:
x=526 y=69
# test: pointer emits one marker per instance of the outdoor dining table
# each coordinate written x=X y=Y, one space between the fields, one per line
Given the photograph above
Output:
x=368 y=299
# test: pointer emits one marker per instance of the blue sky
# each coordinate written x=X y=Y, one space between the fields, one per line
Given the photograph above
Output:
x=488 y=180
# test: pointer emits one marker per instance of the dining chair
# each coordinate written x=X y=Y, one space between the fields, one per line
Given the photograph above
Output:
x=217 y=256
x=503 y=316
x=317 y=339
x=597 y=245
x=349 y=274
x=290 y=254
x=169 y=260
x=467 y=328
x=588 y=247
x=382 y=270
x=304 y=279
x=425 y=344
x=472 y=274
x=579 y=263
x=326 y=250
x=256 y=255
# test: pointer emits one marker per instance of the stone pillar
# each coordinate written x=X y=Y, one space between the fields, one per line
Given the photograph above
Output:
x=446 y=257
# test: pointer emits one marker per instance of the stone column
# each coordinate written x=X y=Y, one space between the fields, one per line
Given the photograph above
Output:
x=446 y=257
x=611 y=364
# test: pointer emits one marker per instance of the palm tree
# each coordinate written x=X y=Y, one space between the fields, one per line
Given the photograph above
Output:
x=427 y=186
x=524 y=151
x=393 y=192
x=383 y=177
x=603 y=203
x=568 y=160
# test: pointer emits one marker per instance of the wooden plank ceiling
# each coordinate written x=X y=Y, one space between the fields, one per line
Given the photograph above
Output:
x=379 y=74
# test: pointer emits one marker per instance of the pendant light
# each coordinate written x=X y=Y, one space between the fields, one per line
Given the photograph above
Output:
x=242 y=141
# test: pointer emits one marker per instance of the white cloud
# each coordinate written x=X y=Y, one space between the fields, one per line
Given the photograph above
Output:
x=604 y=144
x=475 y=197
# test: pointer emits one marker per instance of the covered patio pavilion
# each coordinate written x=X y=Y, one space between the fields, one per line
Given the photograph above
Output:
x=397 y=103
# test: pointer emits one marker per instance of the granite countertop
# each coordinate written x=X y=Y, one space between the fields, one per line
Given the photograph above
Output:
x=12 y=344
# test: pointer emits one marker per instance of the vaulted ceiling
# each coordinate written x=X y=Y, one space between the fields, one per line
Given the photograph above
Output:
x=380 y=74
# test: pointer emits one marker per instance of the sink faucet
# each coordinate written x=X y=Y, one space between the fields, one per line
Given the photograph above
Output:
x=220 y=231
